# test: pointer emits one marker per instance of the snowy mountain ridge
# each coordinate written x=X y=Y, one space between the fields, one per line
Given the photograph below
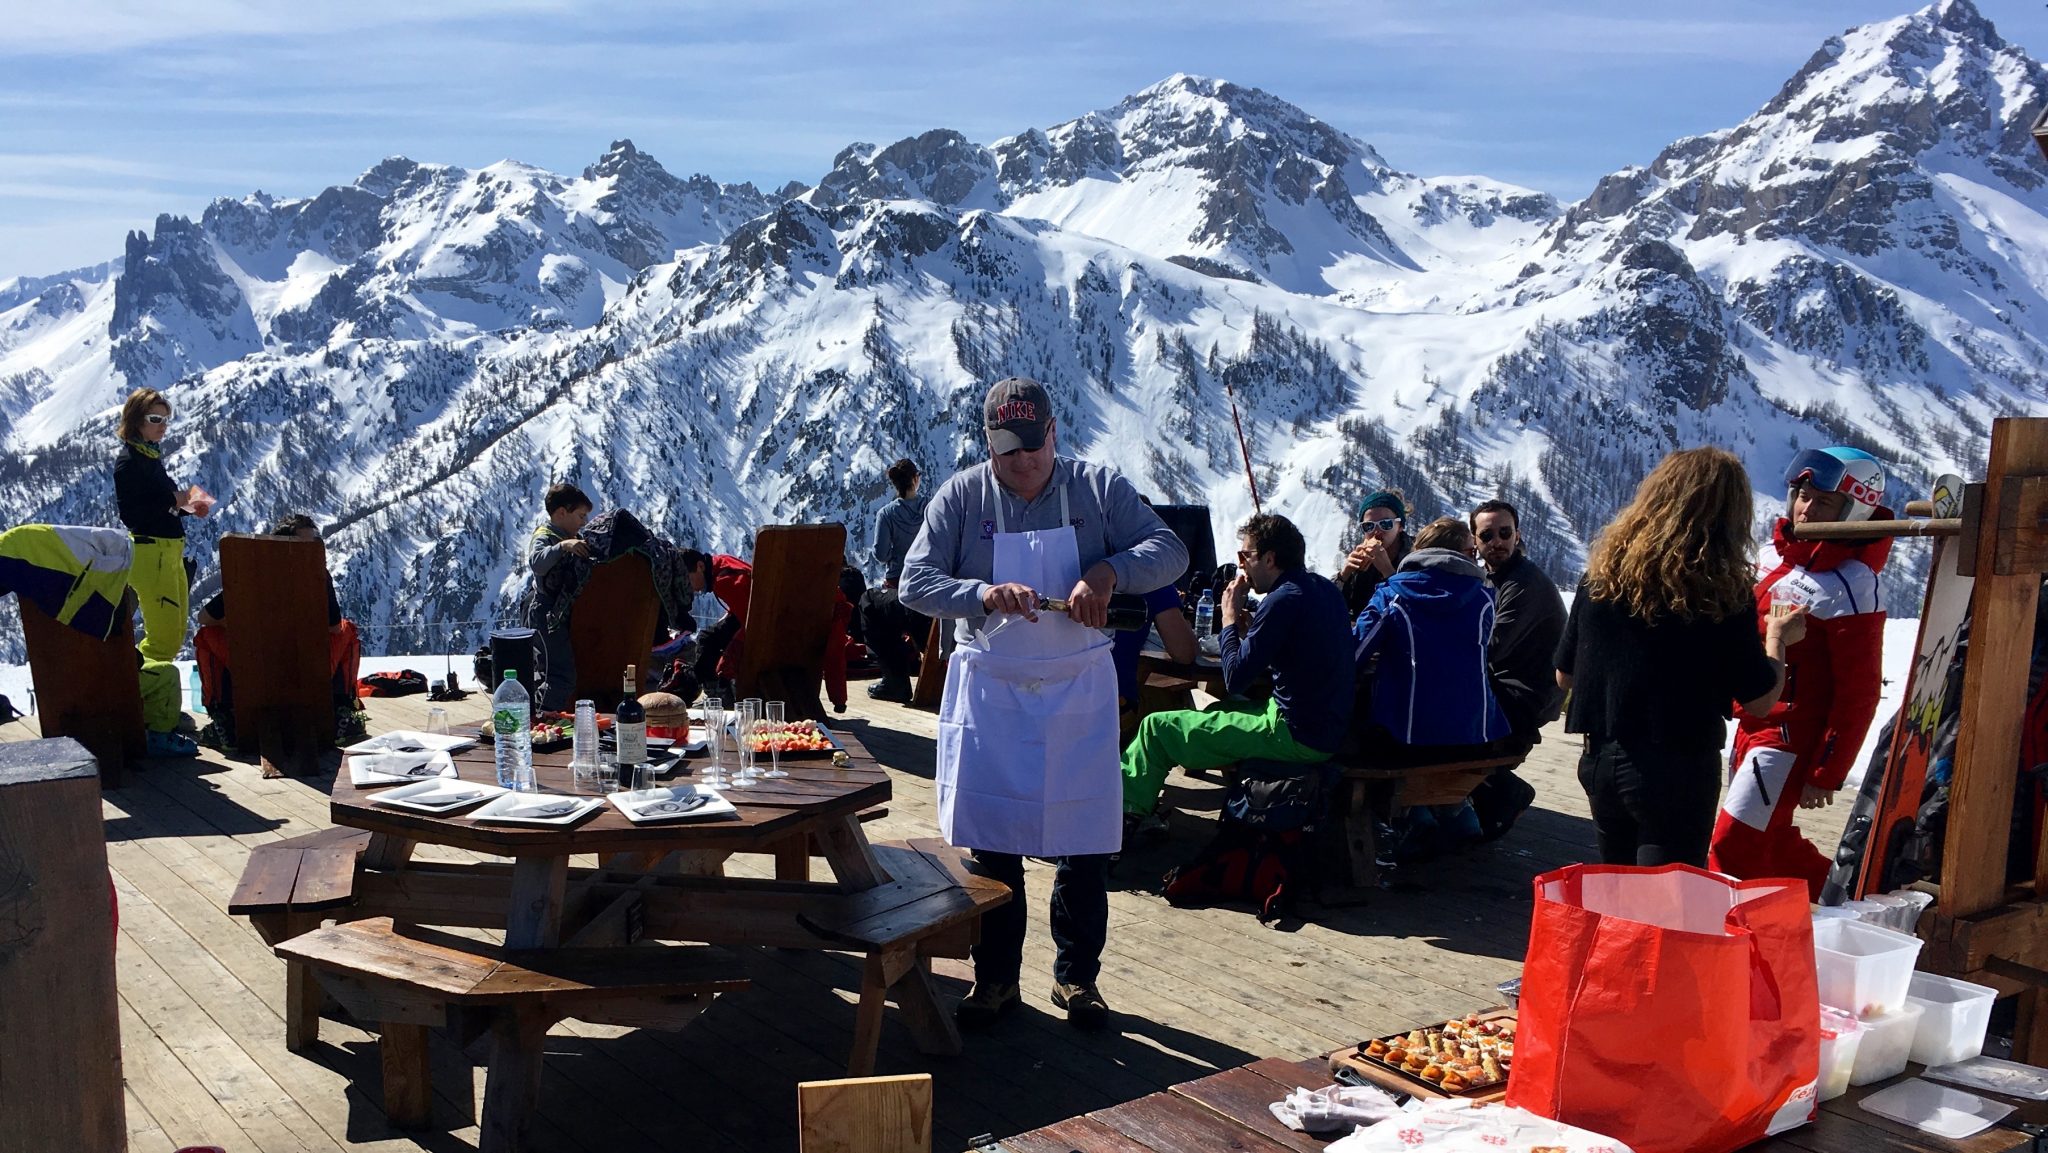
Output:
x=413 y=356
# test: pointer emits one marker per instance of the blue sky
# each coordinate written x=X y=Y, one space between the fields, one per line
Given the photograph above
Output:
x=112 y=111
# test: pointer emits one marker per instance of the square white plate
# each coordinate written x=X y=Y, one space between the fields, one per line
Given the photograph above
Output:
x=401 y=740
x=669 y=804
x=439 y=795
x=538 y=809
x=398 y=768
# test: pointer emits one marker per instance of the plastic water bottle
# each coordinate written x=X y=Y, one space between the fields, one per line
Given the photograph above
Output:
x=198 y=692
x=511 y=721
x=1205 y=614
x=583 y=761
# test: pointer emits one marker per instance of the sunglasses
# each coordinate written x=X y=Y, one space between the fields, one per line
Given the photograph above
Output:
x=156 y=418
x=1385 y=524
x=1487 y=536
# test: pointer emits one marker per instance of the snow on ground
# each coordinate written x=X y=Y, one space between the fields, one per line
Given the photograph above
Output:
x=14 y=679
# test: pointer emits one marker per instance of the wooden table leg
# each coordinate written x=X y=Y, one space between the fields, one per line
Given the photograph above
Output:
x=867 y=1019
x=386 y=852
x=303 y=998
x=408 y=1092
x=793 y=858
x=930 y=1025
x=512 y=1085
x=1360 y=837
x=535 y=918
x=851 y=858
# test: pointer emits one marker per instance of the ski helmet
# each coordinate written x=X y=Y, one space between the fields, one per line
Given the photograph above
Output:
x=1850 y=471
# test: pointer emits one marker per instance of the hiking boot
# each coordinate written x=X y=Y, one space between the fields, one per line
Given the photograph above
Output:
x=894 y=689
x=1085 y=1007
x=988 y=1001
x=168 y=745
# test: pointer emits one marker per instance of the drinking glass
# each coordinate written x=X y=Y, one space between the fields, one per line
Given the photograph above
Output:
x=583 y=760
x=773 y=726
x=750 y=720
x=437 y=721
x=714 y=742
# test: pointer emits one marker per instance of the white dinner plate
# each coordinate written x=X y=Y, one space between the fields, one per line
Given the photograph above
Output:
x=679 y=803
x=397 y=768
x=538 y=809
x=438 y=795
x=405 y=740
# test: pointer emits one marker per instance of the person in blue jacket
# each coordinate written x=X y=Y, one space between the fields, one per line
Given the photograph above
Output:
x=1423 y=638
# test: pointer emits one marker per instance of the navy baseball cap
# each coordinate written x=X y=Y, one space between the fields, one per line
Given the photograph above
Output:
x=1017 y=414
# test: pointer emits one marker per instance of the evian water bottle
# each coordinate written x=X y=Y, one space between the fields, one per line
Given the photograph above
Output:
x=512 y=733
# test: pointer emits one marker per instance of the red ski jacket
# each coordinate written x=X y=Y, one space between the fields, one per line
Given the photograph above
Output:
x=1832 y=675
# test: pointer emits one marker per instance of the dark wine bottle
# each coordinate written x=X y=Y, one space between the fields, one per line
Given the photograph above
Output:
x=630 y=724
x=1126 y=611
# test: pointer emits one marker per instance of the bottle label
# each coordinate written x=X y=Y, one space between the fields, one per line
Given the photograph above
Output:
x=507 y=721
x=632 y=744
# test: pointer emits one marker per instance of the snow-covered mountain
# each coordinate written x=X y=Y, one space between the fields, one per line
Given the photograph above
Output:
x=413 y=356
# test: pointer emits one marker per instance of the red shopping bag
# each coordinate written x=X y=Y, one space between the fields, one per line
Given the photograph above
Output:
x=1673 y=1009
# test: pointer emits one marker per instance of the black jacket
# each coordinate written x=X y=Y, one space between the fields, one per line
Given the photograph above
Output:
x=146 y=496
x=1528 y=621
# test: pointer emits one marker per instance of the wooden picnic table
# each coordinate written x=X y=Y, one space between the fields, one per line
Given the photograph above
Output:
x=665 y=881
x=1205 y=672
x=1227 y=1111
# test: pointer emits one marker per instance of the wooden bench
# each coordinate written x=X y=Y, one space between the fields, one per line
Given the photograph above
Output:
x=87 y=689
x=1406 y=787
x=289 y=887
x=932 y=907
x=407 y=980
x=276 y=590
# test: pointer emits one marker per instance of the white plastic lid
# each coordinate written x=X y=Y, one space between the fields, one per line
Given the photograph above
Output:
x=1936 y=1109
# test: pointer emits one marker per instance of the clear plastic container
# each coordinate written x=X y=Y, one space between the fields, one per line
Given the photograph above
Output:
x=1931 y=1108
x=1863 y=968
x=1895 y=911
x=1954 y=1016
x=1886 y=1046
x=1841 y=1034
x=1996 y=1075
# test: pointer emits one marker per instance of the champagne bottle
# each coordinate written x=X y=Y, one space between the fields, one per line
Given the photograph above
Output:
x=630 y=727
x=1126 y=611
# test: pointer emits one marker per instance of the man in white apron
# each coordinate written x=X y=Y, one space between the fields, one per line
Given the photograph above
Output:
x=1027 y=763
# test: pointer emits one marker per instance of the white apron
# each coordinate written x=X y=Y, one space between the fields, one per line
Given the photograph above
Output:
x=1027 y=735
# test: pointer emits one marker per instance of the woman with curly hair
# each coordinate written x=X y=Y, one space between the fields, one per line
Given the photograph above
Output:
x=152 y=507
x=1662 y=637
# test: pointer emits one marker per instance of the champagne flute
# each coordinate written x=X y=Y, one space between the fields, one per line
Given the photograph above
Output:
x=714 y=742
x=774 y=728
x=750 y=720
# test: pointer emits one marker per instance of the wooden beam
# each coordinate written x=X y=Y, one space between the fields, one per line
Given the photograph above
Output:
x=1994 y=683
x=1870 y=530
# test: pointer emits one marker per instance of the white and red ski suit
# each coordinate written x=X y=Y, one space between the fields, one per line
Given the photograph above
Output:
x=1812 y=735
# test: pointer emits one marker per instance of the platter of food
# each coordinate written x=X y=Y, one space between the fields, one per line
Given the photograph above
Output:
x=794 y=739
x=547 y=735
x=1467 y=1057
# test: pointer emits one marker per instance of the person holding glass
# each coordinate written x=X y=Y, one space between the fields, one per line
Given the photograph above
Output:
x=153 y=508
x=1663 y=638
x=1797 y=755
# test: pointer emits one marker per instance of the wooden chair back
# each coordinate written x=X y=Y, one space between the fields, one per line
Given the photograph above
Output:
x=611 y=626
x=276 y=590
x=866 y=1115
x=87 y=688
x=789 y=614
x=930 y=688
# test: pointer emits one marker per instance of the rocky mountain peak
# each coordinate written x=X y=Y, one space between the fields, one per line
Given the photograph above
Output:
x=385 y=177
x=622 y=157
x=941 y=166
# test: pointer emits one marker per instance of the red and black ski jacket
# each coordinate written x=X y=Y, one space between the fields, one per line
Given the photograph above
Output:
x=1832 y=675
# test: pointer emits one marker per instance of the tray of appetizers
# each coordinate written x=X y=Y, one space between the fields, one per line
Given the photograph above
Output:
x=1469 y=1057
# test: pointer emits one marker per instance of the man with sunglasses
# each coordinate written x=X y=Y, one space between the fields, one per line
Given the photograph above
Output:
x=1383 y=519
x=1529 y=618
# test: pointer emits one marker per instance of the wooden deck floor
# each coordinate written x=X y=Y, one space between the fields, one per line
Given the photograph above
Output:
x=1194 y=990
